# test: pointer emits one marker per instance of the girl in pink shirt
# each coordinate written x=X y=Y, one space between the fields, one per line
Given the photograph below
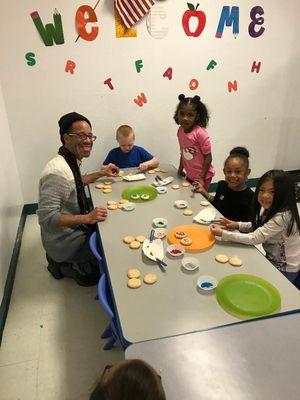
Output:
x=192 y=116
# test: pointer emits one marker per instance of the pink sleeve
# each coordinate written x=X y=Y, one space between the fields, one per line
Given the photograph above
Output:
x=204 y=141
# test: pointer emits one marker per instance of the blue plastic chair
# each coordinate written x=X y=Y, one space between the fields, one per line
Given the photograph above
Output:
x=93 y=247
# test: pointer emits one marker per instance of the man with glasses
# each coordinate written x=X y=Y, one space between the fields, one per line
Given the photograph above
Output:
x=64 y=214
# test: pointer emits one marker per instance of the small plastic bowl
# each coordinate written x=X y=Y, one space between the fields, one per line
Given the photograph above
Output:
x=135 y=196
x=207 y=283
x=181 y=204
x=175 y=250
x=145 y=196
x=161 y=189
x=160 y=222
x=190 y=263
x=160 y=233
x=129 y=206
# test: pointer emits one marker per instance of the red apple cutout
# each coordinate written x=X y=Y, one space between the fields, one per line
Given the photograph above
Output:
x=193 y=12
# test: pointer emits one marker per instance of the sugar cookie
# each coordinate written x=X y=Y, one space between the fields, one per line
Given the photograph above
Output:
x=133 y=273
x=163 y=170
x=120 y=205
x=186 y=241
x=111 y=203
x=180 y=234
x=128 y=239
x=112 y=207
x=99 y=186
x=188 y=212
x=140 y=238
x=135 y=245
x=156 y=170
x=108 y=182
x=175 y=187
x=123 y=201
x=151 y=171
x=185 y=184
x=105 y=191
x=134 y=283
x=150 y=279
x=235 y=262
x=204 y=203
x=106 y=187
x=221 y=258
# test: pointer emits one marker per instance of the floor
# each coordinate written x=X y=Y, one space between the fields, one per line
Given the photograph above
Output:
x=51 y=348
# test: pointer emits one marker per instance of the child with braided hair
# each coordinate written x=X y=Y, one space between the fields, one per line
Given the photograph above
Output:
x=195 y=147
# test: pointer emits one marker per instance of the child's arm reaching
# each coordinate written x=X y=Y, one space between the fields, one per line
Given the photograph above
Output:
x=198 y=188
x=260 y=235
x=153 y=163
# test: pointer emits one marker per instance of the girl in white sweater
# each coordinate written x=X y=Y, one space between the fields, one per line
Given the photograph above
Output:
x=275 y=223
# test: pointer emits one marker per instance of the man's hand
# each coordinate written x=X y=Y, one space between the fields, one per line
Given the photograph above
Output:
x=109 y=170
x=216 y=230
x=229 y=224
x=98 y=214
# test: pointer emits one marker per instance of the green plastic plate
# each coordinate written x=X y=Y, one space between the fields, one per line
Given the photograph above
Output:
x=247 y=296
x=149 y=190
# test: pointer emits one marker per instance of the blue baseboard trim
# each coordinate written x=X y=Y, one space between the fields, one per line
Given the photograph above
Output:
x=27 y=210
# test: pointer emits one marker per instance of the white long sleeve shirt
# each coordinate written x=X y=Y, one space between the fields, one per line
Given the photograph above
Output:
x=283 y=251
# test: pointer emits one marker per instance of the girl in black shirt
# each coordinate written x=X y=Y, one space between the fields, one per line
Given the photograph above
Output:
x=233 y=197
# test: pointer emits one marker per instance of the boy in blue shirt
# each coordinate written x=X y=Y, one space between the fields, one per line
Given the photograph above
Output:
x=127 y=155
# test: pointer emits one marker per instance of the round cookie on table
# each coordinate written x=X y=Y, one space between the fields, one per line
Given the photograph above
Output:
x=235 y=261
x=135 y=244
x=188 y=212
x=134 y=283
x=133 y=273
x=128 y=239
x=186 y=241
x=150 y=279
x=221 y=258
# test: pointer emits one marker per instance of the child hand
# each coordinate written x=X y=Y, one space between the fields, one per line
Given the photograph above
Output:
x=216 y=230
x=229 y=224
x=198 y=187
x=143 y=166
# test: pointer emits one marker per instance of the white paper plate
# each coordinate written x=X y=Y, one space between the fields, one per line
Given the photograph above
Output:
x=205 y=216
x=190 y=263
x=136 y=177
x=164 y=182
x=154 y=249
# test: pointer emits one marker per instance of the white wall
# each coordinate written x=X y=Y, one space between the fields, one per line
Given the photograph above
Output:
x=262 y=114
x=11 y=199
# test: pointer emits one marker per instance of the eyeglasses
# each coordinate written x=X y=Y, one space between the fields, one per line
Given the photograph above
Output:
x=84 y=136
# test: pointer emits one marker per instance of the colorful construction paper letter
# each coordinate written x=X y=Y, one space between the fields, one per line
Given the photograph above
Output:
x=138 y=65
x=211 y=65
x=50 y=32
x=256 y=21
x=120 y=28
x=229 y=18
x=81 y=20
x=193 y=84
x=109 y=84
x=190 y=13
x=256 y=66
x=168 y=73
x=70 y=66
x=232 y=86
x=30 y=57
x=141 y=100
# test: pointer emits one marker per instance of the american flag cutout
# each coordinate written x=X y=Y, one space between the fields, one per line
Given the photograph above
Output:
x=131 y=11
